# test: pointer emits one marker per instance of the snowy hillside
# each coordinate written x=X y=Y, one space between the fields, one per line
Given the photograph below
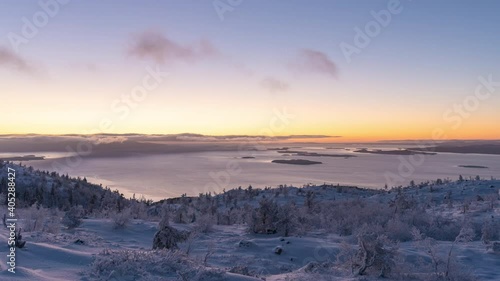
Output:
x=74 y=230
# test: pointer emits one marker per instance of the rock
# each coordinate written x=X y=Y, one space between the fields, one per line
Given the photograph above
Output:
x=246 y=244
x=278 y=250
x=168 y=237
x=79 y=242
x=479 y=198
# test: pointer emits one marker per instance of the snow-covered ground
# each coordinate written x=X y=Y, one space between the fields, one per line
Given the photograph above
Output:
x=431 y=231
x=58 y=257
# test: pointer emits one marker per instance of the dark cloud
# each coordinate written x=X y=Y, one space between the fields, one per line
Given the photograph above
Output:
x=161 y=49
x=314 y=61
x=274 y=85
x=12 y=61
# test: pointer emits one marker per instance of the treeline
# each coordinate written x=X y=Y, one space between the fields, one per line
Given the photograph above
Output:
x=52 y=190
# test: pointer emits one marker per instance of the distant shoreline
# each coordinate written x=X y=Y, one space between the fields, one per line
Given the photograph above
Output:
x=23 y=158
x=491 y=149
x=394 y=152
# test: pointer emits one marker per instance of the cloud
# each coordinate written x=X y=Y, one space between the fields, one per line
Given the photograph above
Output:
x=163 y=50
x=274 y=85
x=103 y=139
x=11 y=60
x=245 y=138
x=315 y=61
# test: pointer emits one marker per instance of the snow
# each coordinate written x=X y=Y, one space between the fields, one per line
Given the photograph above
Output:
x=98 y=250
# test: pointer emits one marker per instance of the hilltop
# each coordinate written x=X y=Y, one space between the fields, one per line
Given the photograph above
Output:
x=436 y=230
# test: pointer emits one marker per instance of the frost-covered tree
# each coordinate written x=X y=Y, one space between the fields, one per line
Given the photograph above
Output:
x=376 y=254
x=168 y=237
x=73 y=217
x=287 y=219
x=265 y=217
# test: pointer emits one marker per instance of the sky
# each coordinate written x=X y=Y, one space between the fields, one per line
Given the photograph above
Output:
x=362 y=70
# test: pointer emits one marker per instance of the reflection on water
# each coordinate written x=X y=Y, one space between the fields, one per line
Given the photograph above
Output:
x=169 y=175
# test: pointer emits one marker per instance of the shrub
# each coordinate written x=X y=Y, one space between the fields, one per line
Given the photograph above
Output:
x=120 y=220
x=264 y=218
x=375 y=254
x=141 y=265
x=168 y=237
x=73 y=217
x=204 y=224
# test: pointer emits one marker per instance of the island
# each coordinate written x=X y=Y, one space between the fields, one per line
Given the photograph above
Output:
x=473 y=166
x=296 y=162
x=247 y=157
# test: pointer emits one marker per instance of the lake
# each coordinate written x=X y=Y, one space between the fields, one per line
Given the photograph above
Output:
x=171 y=175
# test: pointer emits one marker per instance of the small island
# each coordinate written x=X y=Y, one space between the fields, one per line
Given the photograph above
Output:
x=473 y=166
x=247 y=157
x=297 y=162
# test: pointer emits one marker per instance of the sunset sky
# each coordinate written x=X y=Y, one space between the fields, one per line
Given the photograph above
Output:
x=236 y=69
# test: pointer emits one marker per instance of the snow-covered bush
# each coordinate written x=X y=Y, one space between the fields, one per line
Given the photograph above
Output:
x=73 y=217
x=490 y=231
x=168 y=237
x=143 y=265
x=164 y=221
x=33 y=218
x=204 y=224
x=38 y=218
x=181 y=214
x=264 y=218
x=138 y=209
x=120 y=220
x=376 y=255
x=442 y=229
x=398 y=230
x=287 y=219
x=443 y=265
